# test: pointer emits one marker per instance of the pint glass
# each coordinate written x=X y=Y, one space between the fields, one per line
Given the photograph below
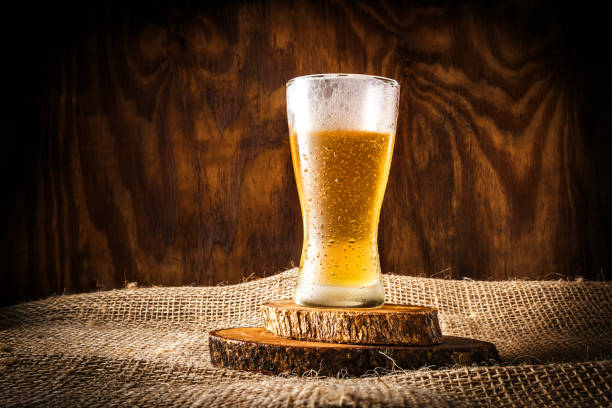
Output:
x=341 y=129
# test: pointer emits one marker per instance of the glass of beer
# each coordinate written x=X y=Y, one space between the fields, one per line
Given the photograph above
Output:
x=341 y=129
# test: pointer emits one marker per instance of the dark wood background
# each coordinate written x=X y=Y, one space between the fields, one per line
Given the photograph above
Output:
x=149 y=143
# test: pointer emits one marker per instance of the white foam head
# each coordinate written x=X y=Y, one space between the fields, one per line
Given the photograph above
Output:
x=342 y=102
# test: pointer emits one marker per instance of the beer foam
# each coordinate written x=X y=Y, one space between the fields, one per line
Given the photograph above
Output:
x=342 y=102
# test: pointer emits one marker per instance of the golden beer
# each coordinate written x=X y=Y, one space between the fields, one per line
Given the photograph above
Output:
x=341 y=176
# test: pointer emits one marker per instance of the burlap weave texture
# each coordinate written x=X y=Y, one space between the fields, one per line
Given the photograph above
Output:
x=149 y=347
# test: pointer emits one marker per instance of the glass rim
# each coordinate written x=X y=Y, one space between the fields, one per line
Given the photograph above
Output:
x=386 y=80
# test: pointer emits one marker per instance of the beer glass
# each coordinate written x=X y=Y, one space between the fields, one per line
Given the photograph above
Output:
x=341 y=130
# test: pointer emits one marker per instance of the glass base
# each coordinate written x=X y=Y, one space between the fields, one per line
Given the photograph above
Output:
x=340 y=296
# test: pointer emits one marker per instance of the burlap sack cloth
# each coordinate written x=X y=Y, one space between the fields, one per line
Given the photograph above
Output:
x=149 y=347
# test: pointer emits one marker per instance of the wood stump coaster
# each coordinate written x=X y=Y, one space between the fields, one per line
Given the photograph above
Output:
x=389 y=324
x=256 y=349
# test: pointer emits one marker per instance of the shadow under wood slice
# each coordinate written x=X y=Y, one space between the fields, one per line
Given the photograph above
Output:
x=256 y=349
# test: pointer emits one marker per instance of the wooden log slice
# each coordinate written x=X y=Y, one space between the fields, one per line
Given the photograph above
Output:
x=389 y=324
x=256 y=349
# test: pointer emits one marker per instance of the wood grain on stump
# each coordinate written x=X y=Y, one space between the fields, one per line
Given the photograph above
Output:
x=389 y=324
x=256 y=349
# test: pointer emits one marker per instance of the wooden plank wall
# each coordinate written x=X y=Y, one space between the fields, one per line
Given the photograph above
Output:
x=149 y=143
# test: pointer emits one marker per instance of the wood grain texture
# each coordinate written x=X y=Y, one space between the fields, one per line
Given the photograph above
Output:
x=256 y=349
x=150 y=142
x=393 y=324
